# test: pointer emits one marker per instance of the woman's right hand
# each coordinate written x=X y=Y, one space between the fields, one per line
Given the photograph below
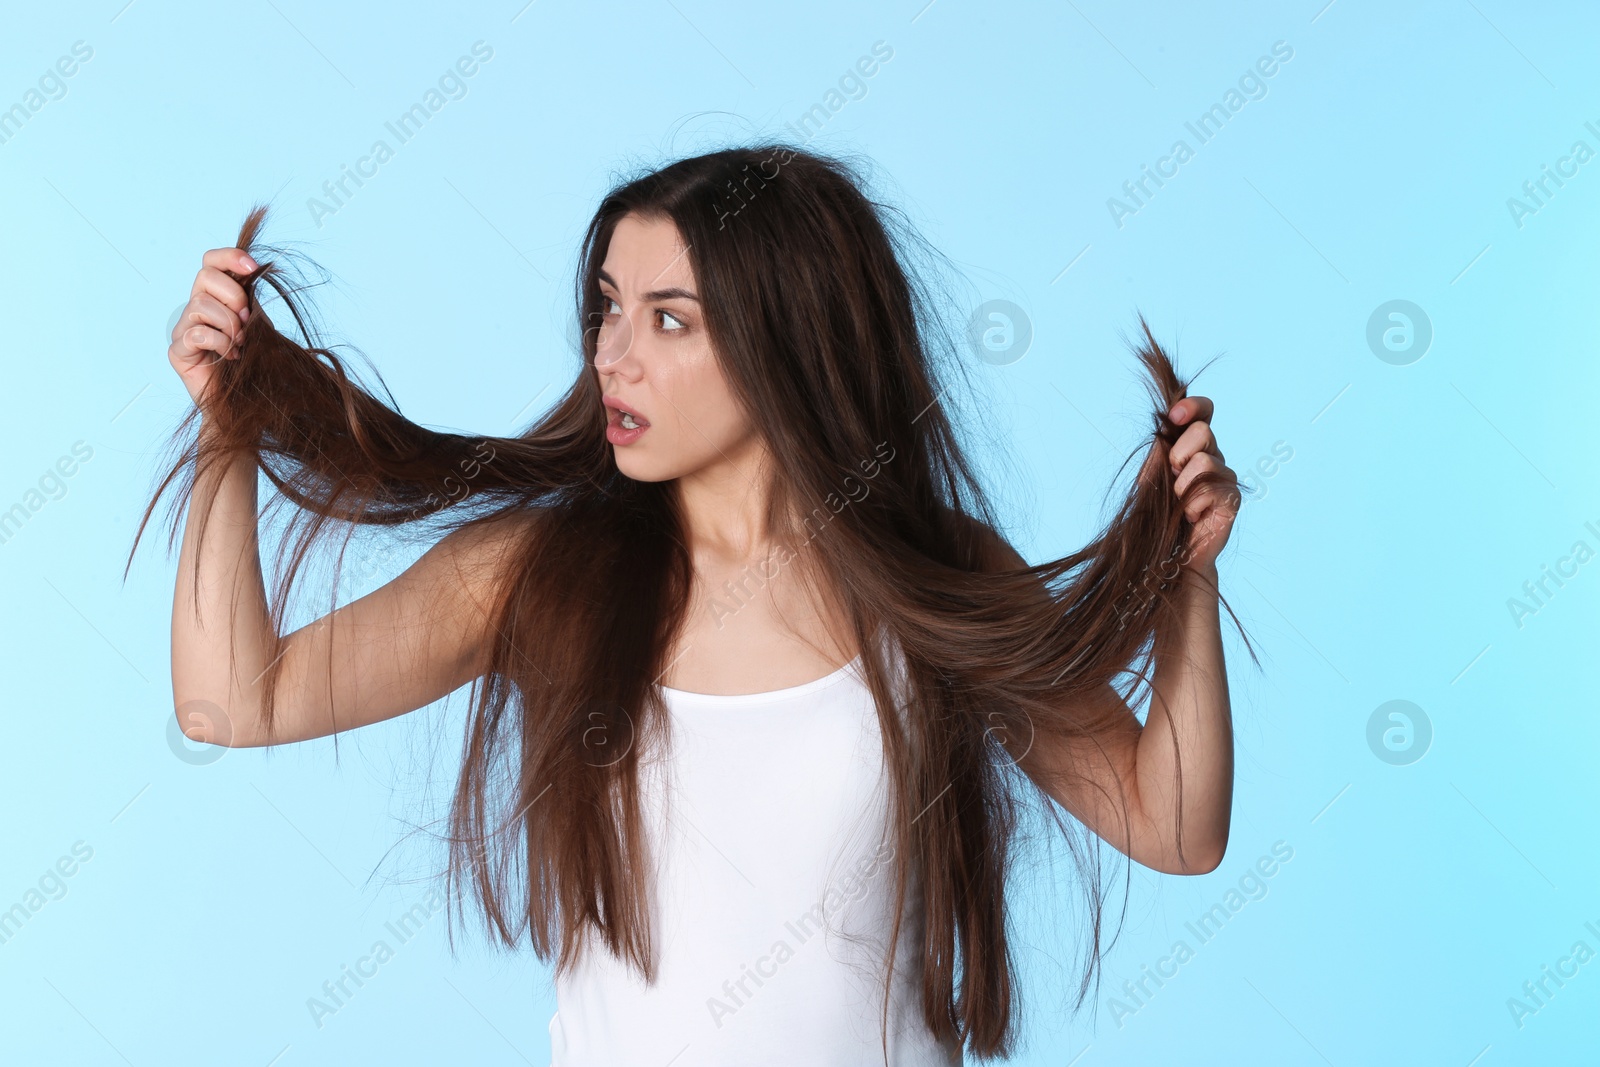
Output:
x=210 y=325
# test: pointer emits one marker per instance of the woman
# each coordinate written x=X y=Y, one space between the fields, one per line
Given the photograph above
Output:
x=759 y=692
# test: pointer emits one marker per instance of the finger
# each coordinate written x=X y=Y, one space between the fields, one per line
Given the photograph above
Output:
x=1217 y=500
x=184 y=355
x=207 y=324
x=211 y=281
x=234 y=259
x=1194 y=440
x=207 y=310
x=1213 y=504
x=1200 y=464
x=1191 y=409
x=201 y=344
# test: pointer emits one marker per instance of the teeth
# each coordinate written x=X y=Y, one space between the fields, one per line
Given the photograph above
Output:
x=628 y=423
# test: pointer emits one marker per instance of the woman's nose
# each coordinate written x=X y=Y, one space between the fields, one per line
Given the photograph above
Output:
x=613 y=347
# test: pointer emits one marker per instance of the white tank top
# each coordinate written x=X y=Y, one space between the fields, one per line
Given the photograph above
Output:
x=773 y=897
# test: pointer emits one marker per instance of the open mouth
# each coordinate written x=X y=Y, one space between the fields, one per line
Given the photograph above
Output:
x=627 y=419
x=623 y=421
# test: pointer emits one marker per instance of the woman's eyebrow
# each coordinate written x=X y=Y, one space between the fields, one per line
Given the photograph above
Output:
x=675 y=293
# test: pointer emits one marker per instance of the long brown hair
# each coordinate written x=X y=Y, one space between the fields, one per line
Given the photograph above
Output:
x=820 y=328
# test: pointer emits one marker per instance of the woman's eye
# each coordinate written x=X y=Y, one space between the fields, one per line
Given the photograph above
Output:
x=670 y=322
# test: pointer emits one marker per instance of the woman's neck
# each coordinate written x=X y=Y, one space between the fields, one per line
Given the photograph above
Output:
x=724 y=506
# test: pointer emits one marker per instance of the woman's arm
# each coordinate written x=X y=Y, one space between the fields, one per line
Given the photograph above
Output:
x=1190 y=701
x=1190 y=681
x=1128 y=770
x=409 y=643
x=221 y=631
x=406 y=644
x=1131 y=771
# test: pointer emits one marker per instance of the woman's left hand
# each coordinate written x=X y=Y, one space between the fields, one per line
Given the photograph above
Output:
x=1213 y=507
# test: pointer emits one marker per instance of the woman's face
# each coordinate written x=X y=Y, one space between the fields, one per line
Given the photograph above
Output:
x=654 y=357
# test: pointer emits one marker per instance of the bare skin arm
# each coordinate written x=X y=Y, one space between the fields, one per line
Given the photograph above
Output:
x=399 y=648
x=1136 y=766
x=1189 y=727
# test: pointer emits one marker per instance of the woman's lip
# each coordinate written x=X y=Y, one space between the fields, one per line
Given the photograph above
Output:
x=617 y=435
x=618 y=407
x=617 y=413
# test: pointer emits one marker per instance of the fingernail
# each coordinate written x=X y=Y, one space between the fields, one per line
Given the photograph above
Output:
x=249 y=264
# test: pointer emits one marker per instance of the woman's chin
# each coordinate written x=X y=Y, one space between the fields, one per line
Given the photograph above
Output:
x=641 y=468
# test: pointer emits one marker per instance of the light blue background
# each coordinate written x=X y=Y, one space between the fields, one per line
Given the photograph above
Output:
x=1377 y=566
